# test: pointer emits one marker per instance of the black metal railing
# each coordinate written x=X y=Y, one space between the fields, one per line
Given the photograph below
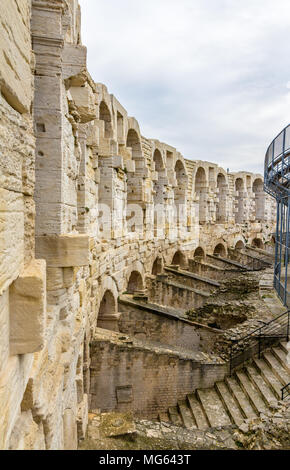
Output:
x=258 y=340
x=285 y=391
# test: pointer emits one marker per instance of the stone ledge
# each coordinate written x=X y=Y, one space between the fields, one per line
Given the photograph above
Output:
x=63 y=251
x=27 y=300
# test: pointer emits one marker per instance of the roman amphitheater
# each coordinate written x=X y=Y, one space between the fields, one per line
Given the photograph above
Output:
x=128 y=273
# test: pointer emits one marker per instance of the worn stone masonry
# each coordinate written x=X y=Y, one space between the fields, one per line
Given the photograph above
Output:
x=80 y=188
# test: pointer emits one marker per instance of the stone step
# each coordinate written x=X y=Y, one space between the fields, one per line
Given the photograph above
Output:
x=281 y=357
x=229 y=403
x=251 y=392
x=213 y=408
x=269 y=377
x=186 y=415
x=197 y=412
x=164 y=417
x=241 y=399
x=175 y=416
x=280 y=372
x=283 y=346
x=261 y=385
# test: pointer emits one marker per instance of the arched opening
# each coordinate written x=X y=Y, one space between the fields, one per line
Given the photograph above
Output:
x=133 y=143
x=240 y=245
x=239 y=198
x=178 y=259
x=257 y=243
x=135 y=213
x=158 y=193
x=120 y=127
x=135 y=283
x=201 y=192
x=157 y=267
x=258 y=190
x=105 y=116
x=180 y=194
x=108 y=315
x=199 y=254
x=220 y=251
x=271 y=246
x=221 y=208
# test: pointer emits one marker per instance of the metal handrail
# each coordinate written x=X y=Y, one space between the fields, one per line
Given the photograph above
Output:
x=261 y=327
x=285 y=391
x=277 y=184
x=255 y=342
x=278 y=165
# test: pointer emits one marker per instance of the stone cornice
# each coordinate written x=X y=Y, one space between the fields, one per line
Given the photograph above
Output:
x=50 y=4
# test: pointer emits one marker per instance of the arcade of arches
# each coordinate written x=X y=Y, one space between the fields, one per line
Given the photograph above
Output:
x=107 y=290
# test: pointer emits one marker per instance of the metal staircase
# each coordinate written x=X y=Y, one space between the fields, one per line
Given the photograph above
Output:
x=277 y=184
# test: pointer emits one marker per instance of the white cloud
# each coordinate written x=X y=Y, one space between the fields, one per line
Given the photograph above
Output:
x=208 y=77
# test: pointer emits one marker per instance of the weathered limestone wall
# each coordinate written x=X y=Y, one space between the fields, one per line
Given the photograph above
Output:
x=153 y=327
x=22 y=278
x=145 y=380
x=79 y=187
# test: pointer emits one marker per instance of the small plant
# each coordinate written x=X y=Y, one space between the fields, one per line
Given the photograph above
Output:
x=239 y=444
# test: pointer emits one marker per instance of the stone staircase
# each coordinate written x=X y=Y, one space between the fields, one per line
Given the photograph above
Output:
x=249 y=392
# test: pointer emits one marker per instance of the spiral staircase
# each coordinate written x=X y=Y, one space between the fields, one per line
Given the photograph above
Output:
x=277 y=184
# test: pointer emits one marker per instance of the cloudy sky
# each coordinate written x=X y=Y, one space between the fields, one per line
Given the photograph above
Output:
x=210 y=77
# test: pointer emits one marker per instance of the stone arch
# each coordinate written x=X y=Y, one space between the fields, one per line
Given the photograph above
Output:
x=258 y=190
x=239 y=200
x=221 y=208
x=158 y=192
x=181 y=179
x=135 y=283
x=220 y=250
x=105 y=115
x=201 y=190
x=199 y=254
x=180 y=194
x=239 y=245
x=108 y=312
x=179 y=259
x=158 y=160
x=157 y=267
x=257 y=243
x=134 y=143
x=135 y=213
x=120 y=127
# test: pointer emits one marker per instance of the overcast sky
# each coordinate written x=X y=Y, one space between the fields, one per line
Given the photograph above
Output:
x=210 y=77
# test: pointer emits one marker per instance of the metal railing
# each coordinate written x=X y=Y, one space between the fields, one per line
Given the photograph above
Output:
x=277 y=163
x=277 y=184
x=258 y=340
x=285 y=391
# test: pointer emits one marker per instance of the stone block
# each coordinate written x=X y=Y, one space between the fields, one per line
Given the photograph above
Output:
x=130 y=166
x=70 y=437
x=74 y=59
x=11 y=237
x=26 y=434
x=82 y=418
x=4 y=329
x=27 y=301
x=64 y=251
x=117 y=162
x=84 y=101
x=15 y=55
x=124 y=394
